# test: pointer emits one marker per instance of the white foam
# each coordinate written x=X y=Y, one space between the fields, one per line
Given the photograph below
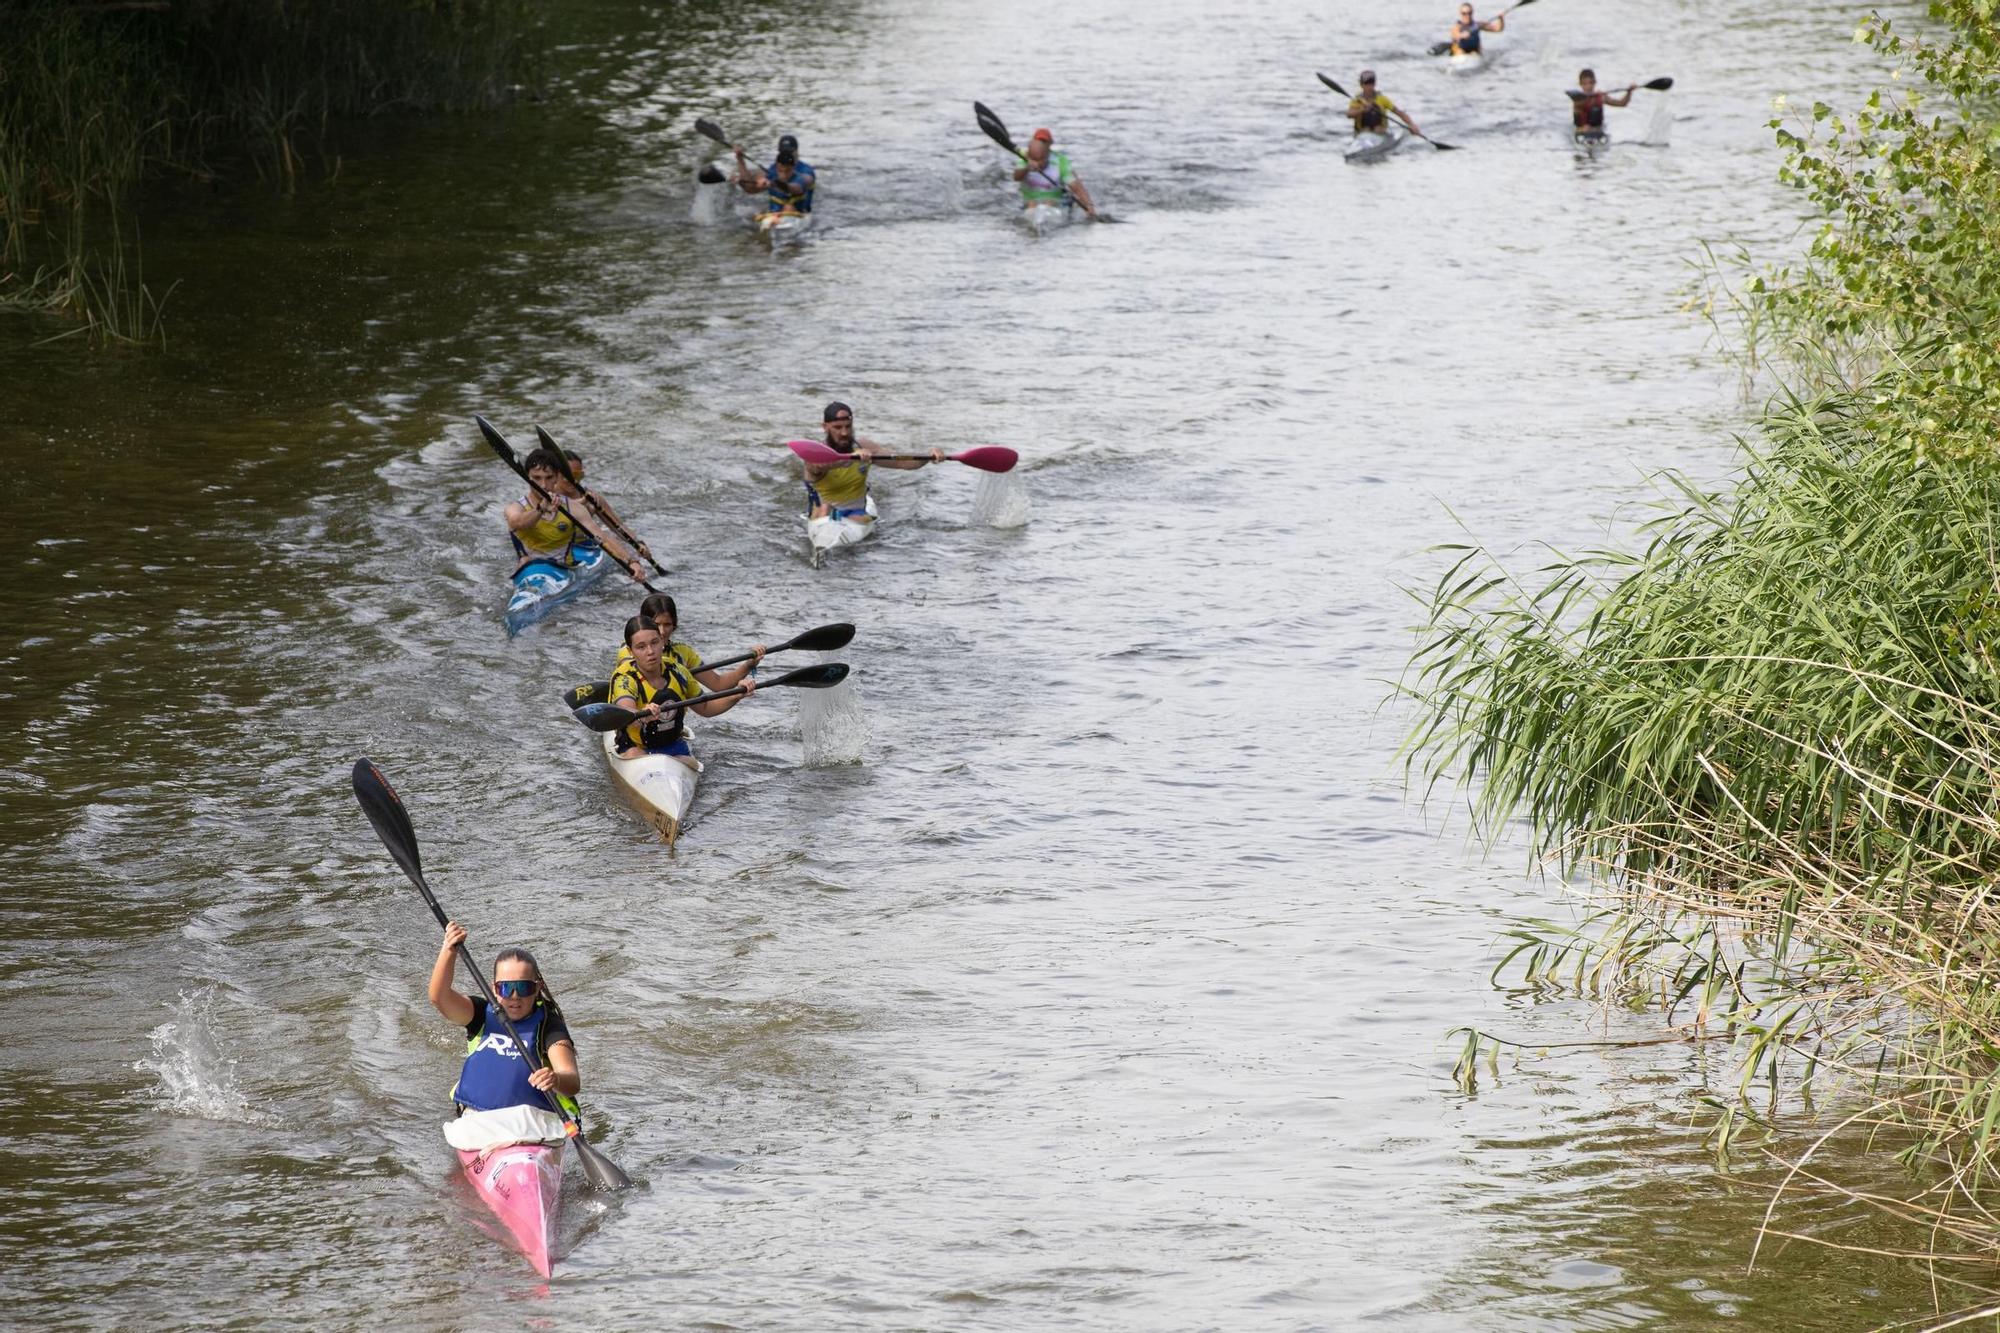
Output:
x=195 y=1076
x=1001 y=500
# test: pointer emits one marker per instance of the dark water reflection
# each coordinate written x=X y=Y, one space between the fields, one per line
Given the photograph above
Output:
x=1110 y=987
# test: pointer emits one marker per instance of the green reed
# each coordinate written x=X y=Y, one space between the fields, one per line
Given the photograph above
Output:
x=1768 y=730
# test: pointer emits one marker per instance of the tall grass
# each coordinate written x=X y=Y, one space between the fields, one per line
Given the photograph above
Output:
x=1768 y=733
x=97 y=100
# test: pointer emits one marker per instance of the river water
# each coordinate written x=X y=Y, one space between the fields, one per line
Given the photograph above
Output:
x=1096 y=971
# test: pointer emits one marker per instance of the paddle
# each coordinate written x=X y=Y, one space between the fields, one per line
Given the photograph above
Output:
x=610 y=717
x=513 y=460
x=985 y=457
x=996 y=130
x=1443 y=47
x=710 y=175
x=1397 y=115
x=1441 y=147
x=562 y=466
x=824 y=639
x=714 y=131
x=392 y=824
x=1657 y=85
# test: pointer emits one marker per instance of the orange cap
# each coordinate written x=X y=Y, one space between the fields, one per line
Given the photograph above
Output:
x=1043 y=135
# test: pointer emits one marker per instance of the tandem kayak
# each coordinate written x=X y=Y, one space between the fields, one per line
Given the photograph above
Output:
x=783 y=225
x=1043 y=217
x=544 y=583
x=522 y=1184
x=1372 y=146
x=660 y=785
x=829 y=533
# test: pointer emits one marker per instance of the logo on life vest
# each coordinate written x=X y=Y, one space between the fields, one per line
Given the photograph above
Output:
x=500 y=1044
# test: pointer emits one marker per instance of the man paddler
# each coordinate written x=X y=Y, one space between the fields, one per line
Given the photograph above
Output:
x=1047 y=177
x=1465 y=32
x=840 y=490
x=787 y=184
x=545 y=525
x=1370 y=110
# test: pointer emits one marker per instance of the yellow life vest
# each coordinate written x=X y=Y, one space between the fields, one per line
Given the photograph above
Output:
x=628 y=683
x=844 y=486
x=547 y=536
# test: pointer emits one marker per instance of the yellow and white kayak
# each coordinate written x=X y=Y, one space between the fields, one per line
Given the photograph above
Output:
x=830 y=533
x=784 y=225
x=660 y=785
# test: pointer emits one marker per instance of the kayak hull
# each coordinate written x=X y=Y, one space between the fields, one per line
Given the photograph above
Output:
x=1590 y=140
x=522 y=1184
x=1465 y=62
x=777 y=228
x=1372 y=146
x=540 y=586
x=1043 y=217
x=660 y=785
x=830 y=534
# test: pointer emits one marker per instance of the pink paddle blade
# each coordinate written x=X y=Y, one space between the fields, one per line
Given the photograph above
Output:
x=815 y=453
x=989 y=458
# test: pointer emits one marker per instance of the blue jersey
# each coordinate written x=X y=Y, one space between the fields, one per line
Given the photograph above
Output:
x=778 y=199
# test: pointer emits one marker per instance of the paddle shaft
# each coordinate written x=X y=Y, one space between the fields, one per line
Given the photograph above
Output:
x=828 y=636
x=1441 y=147
x=590 y=498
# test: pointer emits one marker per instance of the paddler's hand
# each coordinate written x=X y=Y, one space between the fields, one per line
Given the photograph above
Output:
x=454 y=935
x=650 y=713
x=543 y=1079
x=636 y=570
x=937 y=455
x=749 y=687
x=866 y=455
x=757 y=651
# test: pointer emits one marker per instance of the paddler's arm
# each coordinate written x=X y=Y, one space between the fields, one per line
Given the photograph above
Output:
x=716 y=707
x=729 y=680
x=559 y=1074
x=1082 y=195
x=611 y=544
x=521 y=517
x=748 y=178
x=455 y=1007
x=1621 y=99
x=1498 y=23
x=896 y=464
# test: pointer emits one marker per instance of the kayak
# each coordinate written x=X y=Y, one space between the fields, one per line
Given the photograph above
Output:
x=1590 y=140
x=1372 y=146
x=660 y=785
x=545 y=583
x=522 y=1184
x=829 y=533
x=1044 y=217
x=784 y=225
x=1466 y=62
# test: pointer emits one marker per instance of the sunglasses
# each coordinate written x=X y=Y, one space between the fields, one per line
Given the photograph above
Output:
x=514 y=990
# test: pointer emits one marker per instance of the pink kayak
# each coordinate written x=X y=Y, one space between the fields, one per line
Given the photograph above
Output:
x=522 y=1184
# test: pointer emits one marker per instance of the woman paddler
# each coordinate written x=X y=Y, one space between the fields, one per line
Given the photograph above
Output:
x=544 y=525
x=649 y=679
x=666 y=617
x=499 y=1099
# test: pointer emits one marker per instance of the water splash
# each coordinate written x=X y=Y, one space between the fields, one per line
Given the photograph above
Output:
x=195 y=1077
x=1662 y=127
x=1001 y=501
x=832 y=723
x=710 y=206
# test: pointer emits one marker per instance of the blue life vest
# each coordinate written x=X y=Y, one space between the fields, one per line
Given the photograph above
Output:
x=1466 y=42
x=495 y=1076
x=780 y=200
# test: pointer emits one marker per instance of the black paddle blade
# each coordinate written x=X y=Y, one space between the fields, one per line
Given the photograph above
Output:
x=605 y=717
x=597 y=692
x=548 y=442
x=1440 y=48
x=1331 y=84
x=822 y=640
x=392 y=825
x=1659 y=85
x=1442 y=147
x=599 y=1170
x=712 y=130
x=499 y=443
x=812 y=677
x=996 y=129
x=710 y=176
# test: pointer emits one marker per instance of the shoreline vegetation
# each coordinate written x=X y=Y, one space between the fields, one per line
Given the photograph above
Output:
x=98 y=99
x=1768 y=735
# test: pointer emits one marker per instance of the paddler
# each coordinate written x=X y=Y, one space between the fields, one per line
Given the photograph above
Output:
x=841 y=489
x=495 y=1077
x=1465 y=33
x=787 y=184
x=1370 y=110
x=652 y=679
x=1586 y=104
x=1047 y=177
x=659 y=608
x=544 y=526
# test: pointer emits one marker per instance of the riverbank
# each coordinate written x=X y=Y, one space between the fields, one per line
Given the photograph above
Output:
x=1768 y=733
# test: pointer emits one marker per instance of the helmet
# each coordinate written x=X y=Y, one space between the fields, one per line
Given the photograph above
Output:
x=788 y=149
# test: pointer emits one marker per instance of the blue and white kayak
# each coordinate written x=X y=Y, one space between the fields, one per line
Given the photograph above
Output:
x=545 y=583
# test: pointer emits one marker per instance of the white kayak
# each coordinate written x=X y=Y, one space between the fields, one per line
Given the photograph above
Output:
x=1465 y=62
x=1043 y=217
x=784 y=225
x=660 y=785
x=830 y=533
x=1372 y=146
x=1590 y=141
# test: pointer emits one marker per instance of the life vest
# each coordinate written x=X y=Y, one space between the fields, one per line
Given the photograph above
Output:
x=777 y=199
x=684 y=651
x=1465 y=38
x=1372 y=119
x=494 y=1075
x=1047 y=183
x=1588 y=111
x=557 y=537
x=627 y=682
x=843 y=486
